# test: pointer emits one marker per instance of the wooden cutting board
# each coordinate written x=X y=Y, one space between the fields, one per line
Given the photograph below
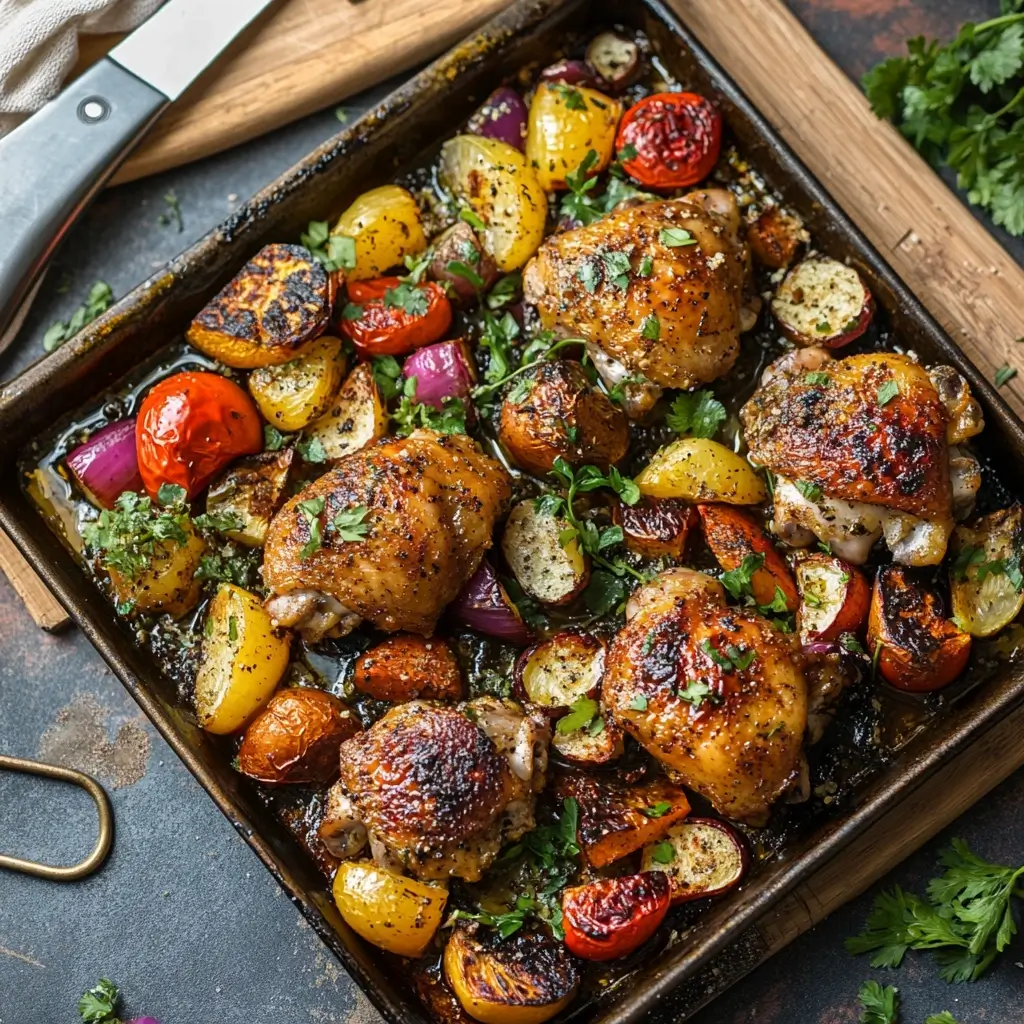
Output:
x=312 y=53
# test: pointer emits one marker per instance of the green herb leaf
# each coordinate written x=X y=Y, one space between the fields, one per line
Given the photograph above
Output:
x=879 y=1005
x=99 y=300
x=410 y=298
x=1005 y=374
x=676 y=237
x=311 y=510
x=505 y=290
x=387 y=372
x=646 y=267
x=695 y=692
x=572 y=98
x=696 y=413
x=411 y=415
x=818 y=378
x=735 y=659
x=650 y=327
x=581 y=713
x=465 y=271
x=472 y=218
x=311 y=450
x=273 y=439
x=658 y=810
x=812 y=492
x=604 y=593
x=850 y=643
x=663 y=853
x=638 y=703
x=99 y=1004
x=887 y=392
x=739 y=581
x=348 y=523
x=944 y=1017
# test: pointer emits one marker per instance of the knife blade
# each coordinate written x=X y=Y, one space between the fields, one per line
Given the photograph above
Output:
x=53 y=164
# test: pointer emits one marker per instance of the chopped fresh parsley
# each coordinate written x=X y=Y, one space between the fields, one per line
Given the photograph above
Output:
x=335 y=252
x=676 y=237
x=472 y=218
x=351 y=311
x=99 y=1004
x=606 y=592
x=273 y=439
x=136 y=530
x=238 y=565
x=887 y=392
x=583 y=204
x=572 y=98
x=735 y=659
x=658 y=810
x=967 y=919
x=818 y=378
x=505 y=290
x=663 y=852
x=650 y=327
x=410 y=298
x=646 y=267
x=99 y=300
x=348 y=523
x=410 y=414
x=879 y=1005
x=812 y=492
x=462 y=269
x=311 y=449
x=850 y=643
x=638 y=703
x=697 y=413
x=695 y=692
x=222 y=522
x=616 y=269
x=387 y=372
x=311 y=510
x=581 y=714
x=739 y=581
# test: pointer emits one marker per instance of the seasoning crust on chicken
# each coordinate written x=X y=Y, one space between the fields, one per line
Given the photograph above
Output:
x=432 y=501
x=860 y=449
x=438 y=790
x=740 y=744
x=679 y=261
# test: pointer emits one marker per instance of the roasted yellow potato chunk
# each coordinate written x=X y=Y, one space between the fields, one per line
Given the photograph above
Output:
x=566 y=123
x=281 y=300
x=499 y=185
x=293 y=394
x=242 y=662
x=385 y=223
x=250 y=492
x=698 y=469
x=168 y=583
x=357 y=417
x=397 y=913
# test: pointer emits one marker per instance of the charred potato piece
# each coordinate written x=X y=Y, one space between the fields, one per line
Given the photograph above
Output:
x=168 y=584
x=987 y=583
x=554 y=411
x=775 y=237
x=560 y=671
x=547 y=570
x=733 y=535
x=385 y=223
x=395 y=912
x=526 y=979
x=823 y=302
x=655 y=528
x=459 y=244
x=296 y=737
x=292 y=395
x=616 y=819
x=834 y=598
x=252 y=491
x=357 y=418
x=281 y=300
x=590 y=745
x=405 y=667
x=918 y=648
x=701 y=857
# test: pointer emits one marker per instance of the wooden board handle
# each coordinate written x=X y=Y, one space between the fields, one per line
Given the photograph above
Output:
x=46 y=611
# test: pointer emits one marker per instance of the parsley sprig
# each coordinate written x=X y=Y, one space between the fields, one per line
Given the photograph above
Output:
x=696 y=413
x=583 y=204
x=335 y=252
x=880 y=1004
x=99 y=300
x=99 y=1004
x=967 y=919
x=962 y=104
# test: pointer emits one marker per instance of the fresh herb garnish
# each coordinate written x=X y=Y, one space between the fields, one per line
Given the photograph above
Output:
x=411 y=415
x=739 y=581
x=99 y=1004
x=604 y=593
x=335 y=252
x=387 y=372
x=273 y=439
x=505 y=290
x=967 y=919
x=663 y=852
x=818 y=378
x=311 y=510
x=238 y=565
x=99 y=300
x=348 y=524
x=645 y=267
x=695 y=692
x=658 y=810
x=879 y=1005
x=572 y=98
x=734 y=659
x=697 y=413
x=887 y=392
x=676 y=237
x=311 y=450
x=812 y=492
x=472 y=218
x=172 y=215
x=650 y=327
x=410 y=298
x=222 y=522
x=583 y=205
x=1006 y=372
x=962 y=104
x=581 y=713
x=638 y=703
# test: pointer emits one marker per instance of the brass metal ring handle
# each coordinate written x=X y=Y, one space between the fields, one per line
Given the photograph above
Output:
x=106 y=822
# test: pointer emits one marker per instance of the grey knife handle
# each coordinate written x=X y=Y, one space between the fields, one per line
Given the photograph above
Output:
x=53 y=164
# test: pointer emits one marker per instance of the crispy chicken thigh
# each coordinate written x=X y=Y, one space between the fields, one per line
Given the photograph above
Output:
x=865 y=447
x=438 y=790
x=680 y=261
x=431 y=502
x=738 y=738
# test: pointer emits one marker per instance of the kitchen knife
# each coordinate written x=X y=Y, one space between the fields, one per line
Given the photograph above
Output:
x=52 y=165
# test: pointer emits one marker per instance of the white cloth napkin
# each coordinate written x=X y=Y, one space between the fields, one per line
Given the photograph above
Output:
x=39 y=46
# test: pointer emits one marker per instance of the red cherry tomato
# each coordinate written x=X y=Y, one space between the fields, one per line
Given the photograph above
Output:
x=190 y=426
x=389 y=317
x=676 y=135
x=611 y=917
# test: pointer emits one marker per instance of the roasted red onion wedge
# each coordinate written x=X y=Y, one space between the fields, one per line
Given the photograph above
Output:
x=107 y=464
x=444 y=370
x=484 y=606
x=502 y=117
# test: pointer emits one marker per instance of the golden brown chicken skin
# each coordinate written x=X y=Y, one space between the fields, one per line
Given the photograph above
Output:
x=738 y=738
x=852 y=434
x=673 y=315
x=431 y=503
x=436 y=790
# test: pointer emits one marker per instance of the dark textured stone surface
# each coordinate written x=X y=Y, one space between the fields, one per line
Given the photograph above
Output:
x=183 y=916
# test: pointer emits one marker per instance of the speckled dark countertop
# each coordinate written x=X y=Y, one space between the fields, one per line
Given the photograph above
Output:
x=183 y=916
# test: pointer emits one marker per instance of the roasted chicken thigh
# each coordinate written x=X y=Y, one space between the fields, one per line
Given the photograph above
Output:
x=437 y=790
x=657 y=288
x=865 y=447
x=421 y=511
x=715 y=693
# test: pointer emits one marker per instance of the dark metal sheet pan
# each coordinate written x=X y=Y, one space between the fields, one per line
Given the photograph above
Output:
x=406 y=125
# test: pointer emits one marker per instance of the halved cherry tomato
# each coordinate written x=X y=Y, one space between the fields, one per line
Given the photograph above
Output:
x=390 y=317
x=611 y=917
x=190 y=427
x=676 y=136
